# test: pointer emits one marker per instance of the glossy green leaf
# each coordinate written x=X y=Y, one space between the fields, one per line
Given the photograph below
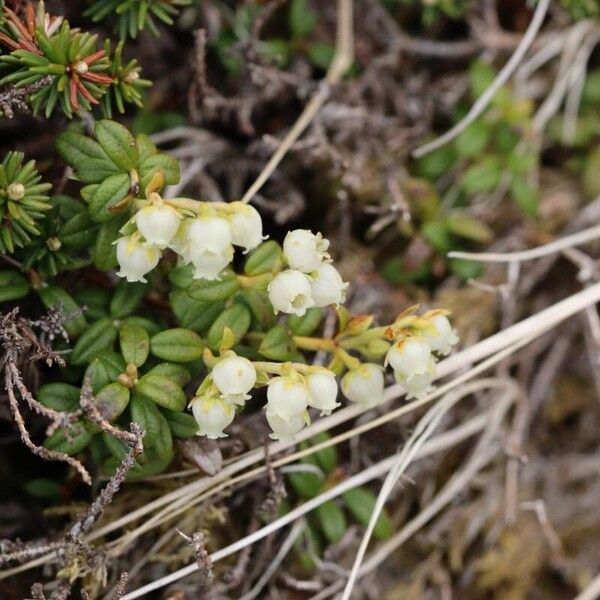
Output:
x=236 y=318
x=118 y=144
x=72 y=443
x=112 y=400
x=109 y=194
x=61 y=397
x=267 y=258
x=126 y=298
x=135 y=344
x=212 y=291
x=182 y=424
x=162 y=390
x=177 y=345
x=178 y=373
x=277 y=344
x=106 y=367
x=99 y=336
x=308 y=323
x=13 y=285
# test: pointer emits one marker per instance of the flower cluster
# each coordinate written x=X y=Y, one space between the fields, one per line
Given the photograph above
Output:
x=204 y=238
x=289 y=395
x=417 y=342
x=311 y=280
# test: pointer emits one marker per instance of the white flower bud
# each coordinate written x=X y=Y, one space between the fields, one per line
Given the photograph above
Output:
x=209 y=233
x=208 y=264
x=327 y=286
x=364 y=385
x=212 y=416
x=323 y=390
x=304 y=251
x=158 y=223
x=444 y=337
x=234 y=377
x=417 y=386
x=289 y=292
x=135 y=258
x=283 y=430
x=246 y=226
x=409 y=356
x=286 y=397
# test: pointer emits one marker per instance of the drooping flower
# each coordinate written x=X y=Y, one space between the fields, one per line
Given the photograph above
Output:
x=135 y=258
x=323 y=391
x=234 y=377
x=286 y=397
x=364 y=385
x=285 y=430
x=290 y=293
x=305 y=251
x=209 y=233
x=246 y=226
x=443 y=336
x=327 y=286
x=208 y=264
x=213 y=415
x=417 y=386
x=409 y=356
x=158 y=223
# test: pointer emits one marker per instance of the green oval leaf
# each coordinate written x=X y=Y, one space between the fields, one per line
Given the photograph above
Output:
x=162 y=390
x=212 y=291
x=332 y=521
x=277 y=344
x=361 y=503
x=236 y=318
x=59 y=396
x=79 y=231
x=99 y=336
x=108 y=194
x=112 y=400
x=267 y=258
x=177 y=345
x=104 y=368
x=308 y=323
x=118 y=144
x=126 y=298
x=135 y=344
x=178 y=373
x=13 y=285
x=182 y=424
x=146 y=414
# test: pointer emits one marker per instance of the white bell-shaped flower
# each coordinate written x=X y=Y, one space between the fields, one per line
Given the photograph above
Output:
x=158 y=223
x=285 y=430
x=417 y=386
x=208 y=264
x=364 y=385
x=289 y=292
x=286 y=397
x=409 y=356
x=212 y=415
x=246 y=226
x=444 y=337
x=323 y=391
x=210 y=233
x=234 y=377
x=327 y=286
x=305 y=251
x=135 y=258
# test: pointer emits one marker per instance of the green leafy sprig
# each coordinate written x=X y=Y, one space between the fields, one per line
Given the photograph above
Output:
x=23 y=202
x=133 y=16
